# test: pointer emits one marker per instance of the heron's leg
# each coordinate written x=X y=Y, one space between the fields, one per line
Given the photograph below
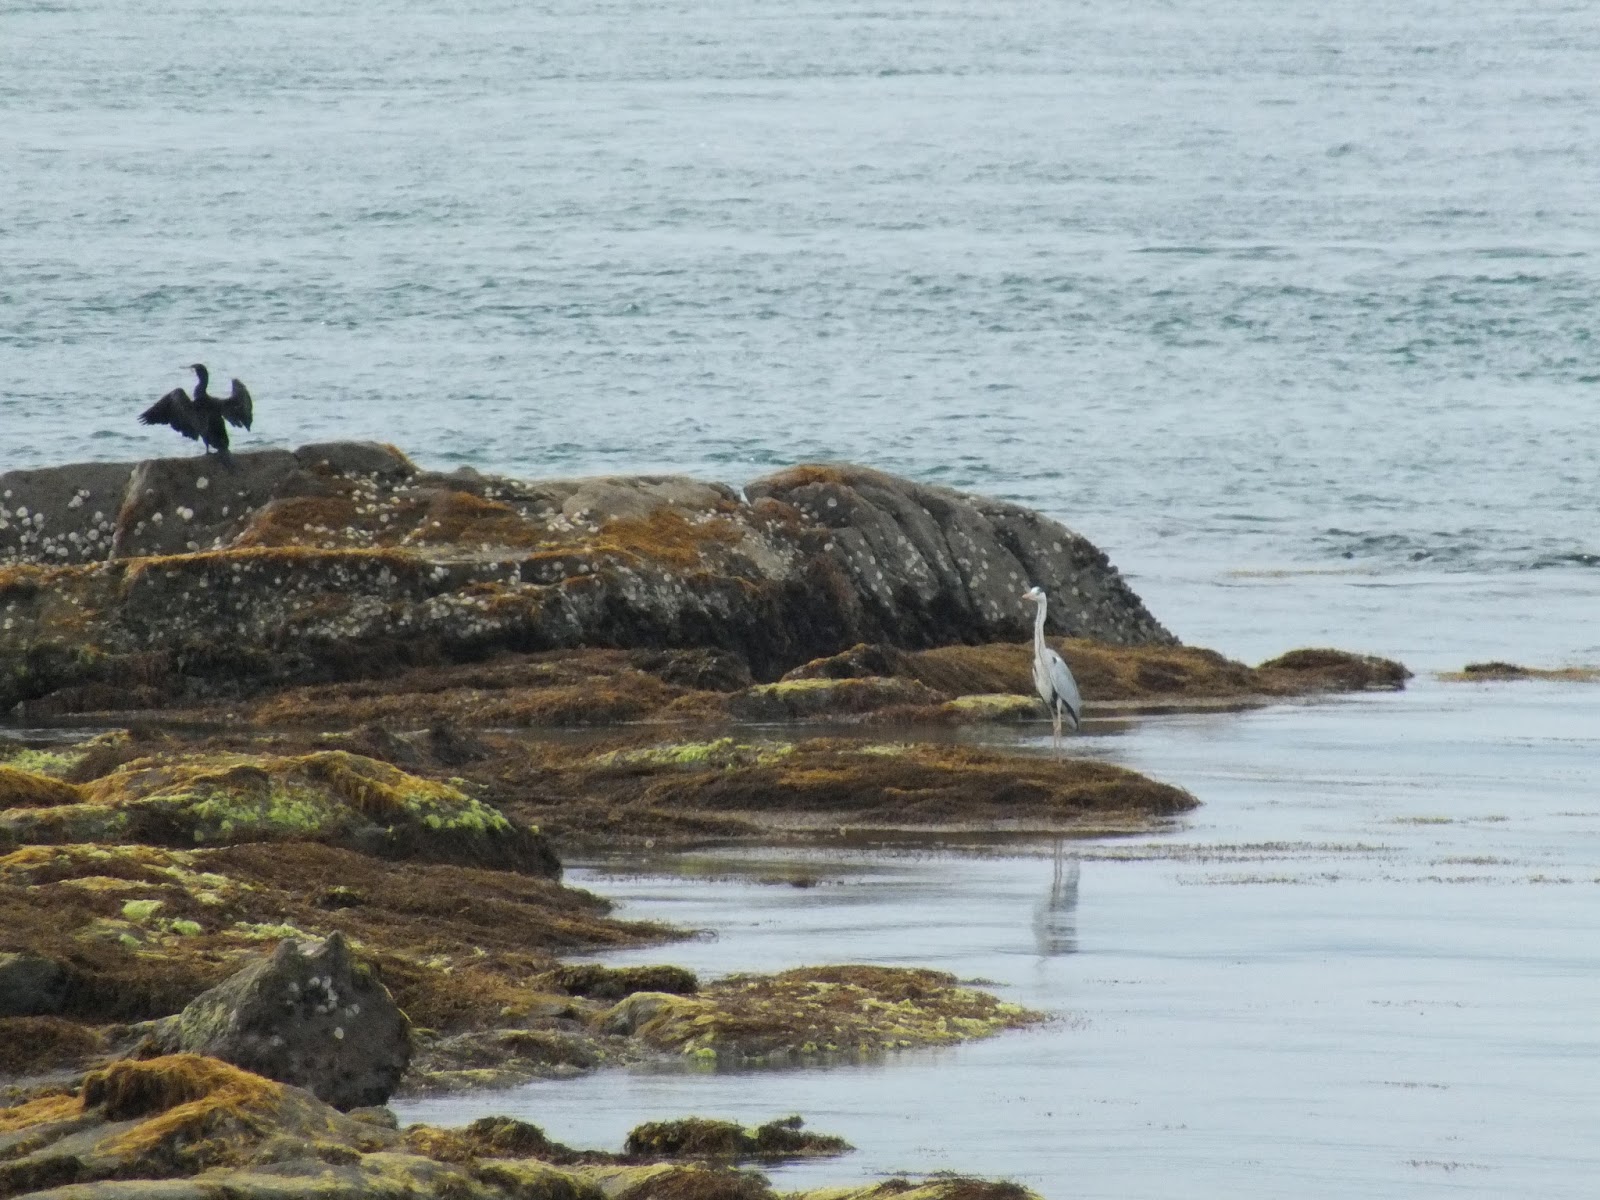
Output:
x=1055 y=726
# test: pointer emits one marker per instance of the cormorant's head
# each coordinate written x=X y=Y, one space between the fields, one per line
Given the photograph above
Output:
x=199 y=369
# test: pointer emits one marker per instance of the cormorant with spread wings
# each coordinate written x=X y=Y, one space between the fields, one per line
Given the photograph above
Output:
x=205 y=417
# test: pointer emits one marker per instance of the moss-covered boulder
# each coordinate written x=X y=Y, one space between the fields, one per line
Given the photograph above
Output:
x=814 y=1013
x=332 y=797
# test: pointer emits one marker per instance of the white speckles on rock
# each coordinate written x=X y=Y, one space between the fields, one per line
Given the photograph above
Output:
x=202 y=483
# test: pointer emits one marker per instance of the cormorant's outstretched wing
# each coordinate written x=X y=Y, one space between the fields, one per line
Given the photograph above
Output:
x=177 y=410
x=237 y=407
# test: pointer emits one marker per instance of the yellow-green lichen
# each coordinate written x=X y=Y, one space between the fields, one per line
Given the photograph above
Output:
x=54 y=763
x=721 y=753
x=993 y=706
x=140 y=910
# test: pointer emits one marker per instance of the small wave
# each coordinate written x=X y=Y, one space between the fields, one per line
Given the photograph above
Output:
x=1574 y=558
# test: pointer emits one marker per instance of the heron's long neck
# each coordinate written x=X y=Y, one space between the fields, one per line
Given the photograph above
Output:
x=1038 y=627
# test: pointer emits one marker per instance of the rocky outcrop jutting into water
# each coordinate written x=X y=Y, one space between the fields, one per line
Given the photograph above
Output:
x=139 y=584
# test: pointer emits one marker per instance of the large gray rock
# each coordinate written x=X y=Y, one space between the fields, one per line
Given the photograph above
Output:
x=90 y=512
x=61 y=514
x=929 y=566
x=342 y=561
x=308 y=1015
x=181 y=505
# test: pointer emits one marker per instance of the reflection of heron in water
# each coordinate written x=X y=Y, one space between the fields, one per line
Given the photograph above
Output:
x=1055 y=918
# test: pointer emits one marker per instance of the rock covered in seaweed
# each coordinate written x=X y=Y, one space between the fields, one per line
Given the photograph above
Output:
x=818 y=788
x=815 y=1013
x=693 y=1137
x=345 y=561
x=205 y=1129
x=329 y=796
x=307 y=1014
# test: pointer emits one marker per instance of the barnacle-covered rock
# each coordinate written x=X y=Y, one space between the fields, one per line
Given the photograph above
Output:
x=343 y=561
x=310 y=1014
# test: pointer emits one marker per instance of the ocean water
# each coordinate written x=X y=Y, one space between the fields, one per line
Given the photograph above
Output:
x=1228 y=286
x=1366 y=967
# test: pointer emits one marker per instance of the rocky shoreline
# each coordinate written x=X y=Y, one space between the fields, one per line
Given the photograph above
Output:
x=348 y=716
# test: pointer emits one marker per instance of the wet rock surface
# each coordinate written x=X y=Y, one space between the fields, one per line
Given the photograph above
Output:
x=308 y=1015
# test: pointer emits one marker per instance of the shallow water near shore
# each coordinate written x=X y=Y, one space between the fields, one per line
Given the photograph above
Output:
x=1367 y=966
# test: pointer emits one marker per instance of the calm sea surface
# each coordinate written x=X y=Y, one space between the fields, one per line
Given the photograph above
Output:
x=1367 y=967
x=1226 y=286
x=1288 y=306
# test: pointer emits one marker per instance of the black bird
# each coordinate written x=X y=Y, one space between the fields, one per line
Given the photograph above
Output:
x=206 y=417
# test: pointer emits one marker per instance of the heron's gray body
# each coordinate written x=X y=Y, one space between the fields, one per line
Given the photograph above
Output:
x=1052 y=677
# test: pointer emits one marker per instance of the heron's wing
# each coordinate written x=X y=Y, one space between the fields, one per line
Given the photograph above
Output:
x=237 y=407
x=177 y=410
x=1041 y=679
x=1063 y=684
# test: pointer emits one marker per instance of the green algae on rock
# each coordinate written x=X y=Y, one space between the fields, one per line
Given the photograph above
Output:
x=225 y=798
x=815 y=1013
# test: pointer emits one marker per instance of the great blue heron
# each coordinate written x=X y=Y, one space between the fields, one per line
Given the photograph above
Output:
x=1057 y=688
x=206 y=417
